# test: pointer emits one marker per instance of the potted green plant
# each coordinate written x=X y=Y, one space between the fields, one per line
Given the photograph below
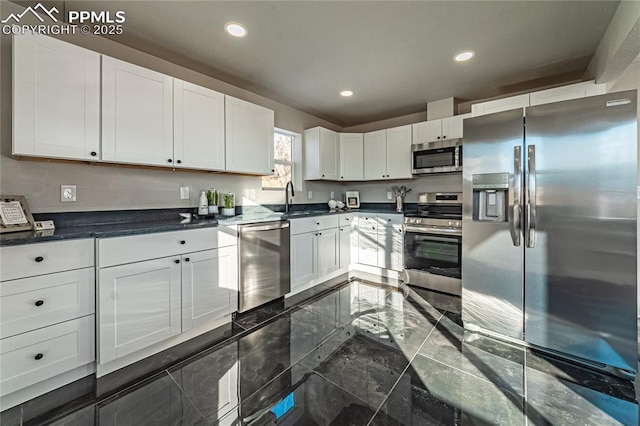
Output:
x=229 y=204
x=212 y=199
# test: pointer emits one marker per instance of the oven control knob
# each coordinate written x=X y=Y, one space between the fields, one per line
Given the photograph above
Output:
x=450 y=223
x=458 y=223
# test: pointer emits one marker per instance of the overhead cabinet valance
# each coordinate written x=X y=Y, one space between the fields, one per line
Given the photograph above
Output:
x=147 y=118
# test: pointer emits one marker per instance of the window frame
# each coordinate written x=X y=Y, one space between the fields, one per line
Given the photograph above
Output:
x=296 y=159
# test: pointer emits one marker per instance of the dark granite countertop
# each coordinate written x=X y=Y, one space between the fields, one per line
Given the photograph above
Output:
x=103 y=230
x=100 y=224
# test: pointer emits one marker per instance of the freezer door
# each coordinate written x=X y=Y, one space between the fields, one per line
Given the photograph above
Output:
x=492 y=262
x=580 y=228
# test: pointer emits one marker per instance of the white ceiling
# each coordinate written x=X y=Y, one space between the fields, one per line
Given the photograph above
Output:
x=395 y=56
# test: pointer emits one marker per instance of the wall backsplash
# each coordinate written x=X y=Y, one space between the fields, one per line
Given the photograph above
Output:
x=376 y=192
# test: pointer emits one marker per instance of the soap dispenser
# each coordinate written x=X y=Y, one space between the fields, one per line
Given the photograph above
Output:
x=203 y=204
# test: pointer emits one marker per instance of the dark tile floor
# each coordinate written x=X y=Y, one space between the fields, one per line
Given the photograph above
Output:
x=367 y=355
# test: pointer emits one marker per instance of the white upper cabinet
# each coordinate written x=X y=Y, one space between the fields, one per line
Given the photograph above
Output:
x=249 y=137
x=198 y=126
x=427 y=131
x=387 y=154
x=56 y=95
x=504 y=104
x=320 y=154
x=436 y=130
x=351 y=156
x=399 y=152
x=375 y=155
x=137 y=114
x=452 y=126
x=565 y=93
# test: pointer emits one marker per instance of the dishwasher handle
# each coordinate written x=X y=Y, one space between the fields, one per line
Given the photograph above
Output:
x=264 y=227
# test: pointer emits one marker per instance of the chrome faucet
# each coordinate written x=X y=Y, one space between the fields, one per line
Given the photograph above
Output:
x=287 y=202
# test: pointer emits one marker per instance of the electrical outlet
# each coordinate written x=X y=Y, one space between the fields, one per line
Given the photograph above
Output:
x=309 y=195
x=251 y=193
x=184 y=192
x=389 y=195
x=67 y=193
x=333 y=195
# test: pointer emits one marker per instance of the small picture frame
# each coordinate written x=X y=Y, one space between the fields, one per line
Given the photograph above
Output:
x=15 y=215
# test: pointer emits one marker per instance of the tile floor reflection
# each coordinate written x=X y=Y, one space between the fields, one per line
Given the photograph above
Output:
x=368 y=355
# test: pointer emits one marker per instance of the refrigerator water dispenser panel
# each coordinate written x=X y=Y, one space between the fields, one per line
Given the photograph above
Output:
x=490 y=197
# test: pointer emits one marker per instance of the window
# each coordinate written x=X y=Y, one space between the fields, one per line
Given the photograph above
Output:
x=284 y=150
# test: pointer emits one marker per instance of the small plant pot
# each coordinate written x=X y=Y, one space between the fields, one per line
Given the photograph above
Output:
x=213 y=209
x=229 y=212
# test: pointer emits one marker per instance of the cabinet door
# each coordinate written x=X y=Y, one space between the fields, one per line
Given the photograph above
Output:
x=209 y=285
x=328 y=154
x=427 y=131
x=367 y=242
x=399 y=152
x=249 y=137
x=345 y=246
x=558 y=94
x=328 y=251
x=139 y=305
x=56 y=98
x=351 y=156
x=303 y=259
x=198 y=120
x=452 y=126
x=137 y=114
x=505 y=104
x=375 y=155
x=390 y=247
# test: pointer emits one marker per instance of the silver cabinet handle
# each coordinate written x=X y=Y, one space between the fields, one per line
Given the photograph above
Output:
x=531 y=197
x=514 y=197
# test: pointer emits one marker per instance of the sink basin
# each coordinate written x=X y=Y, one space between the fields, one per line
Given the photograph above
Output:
x=294 y=214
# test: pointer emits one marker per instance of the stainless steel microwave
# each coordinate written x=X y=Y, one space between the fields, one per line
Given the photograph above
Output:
x=437 y=157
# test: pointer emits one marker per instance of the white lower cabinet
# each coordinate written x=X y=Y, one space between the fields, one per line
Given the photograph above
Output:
x=303 y=259
x=142 y=303
x=209 y=285
x=47 y=321
x=344 y=237
x=380 y=240
x=328 y=251
x=139 y=306
x=316 y=250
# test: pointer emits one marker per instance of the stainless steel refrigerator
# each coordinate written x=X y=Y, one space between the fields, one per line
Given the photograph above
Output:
x=549 y=228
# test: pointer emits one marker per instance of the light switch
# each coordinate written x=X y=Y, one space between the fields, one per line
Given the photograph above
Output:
x=184 y=192
x=309 y=195
x=389 y=195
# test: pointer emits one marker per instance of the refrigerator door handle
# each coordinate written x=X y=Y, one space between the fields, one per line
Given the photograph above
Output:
x=514 y=197
x=531 y=196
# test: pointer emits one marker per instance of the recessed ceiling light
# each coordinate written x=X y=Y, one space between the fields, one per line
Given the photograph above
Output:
x=235 y=29
x=346 y=93
x=464 y=56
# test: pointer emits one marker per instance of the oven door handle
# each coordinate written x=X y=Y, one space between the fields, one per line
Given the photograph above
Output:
x=432 y=230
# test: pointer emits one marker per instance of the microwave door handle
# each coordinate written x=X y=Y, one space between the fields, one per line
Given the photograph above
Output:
x=531 y=196
x=515 y=191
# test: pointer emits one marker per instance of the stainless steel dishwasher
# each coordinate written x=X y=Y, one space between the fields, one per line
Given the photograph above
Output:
x=264 y=263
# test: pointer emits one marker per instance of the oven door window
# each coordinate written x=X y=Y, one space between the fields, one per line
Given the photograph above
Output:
x=438 y=254
x=441 y=157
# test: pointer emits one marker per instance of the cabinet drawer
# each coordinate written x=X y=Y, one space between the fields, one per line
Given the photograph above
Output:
x=38 y=355
x=326 y=222
x=36 y=302
x=302 y=225
x=367 y=219
x=136 y=248
x=45 y=258
x=345 y=219
x=389 y=219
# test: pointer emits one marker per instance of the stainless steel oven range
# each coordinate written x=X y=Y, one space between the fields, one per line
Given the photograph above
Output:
x=433 y=243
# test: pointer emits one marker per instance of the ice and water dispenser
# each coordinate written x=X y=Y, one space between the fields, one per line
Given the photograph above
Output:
x=490 y=197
